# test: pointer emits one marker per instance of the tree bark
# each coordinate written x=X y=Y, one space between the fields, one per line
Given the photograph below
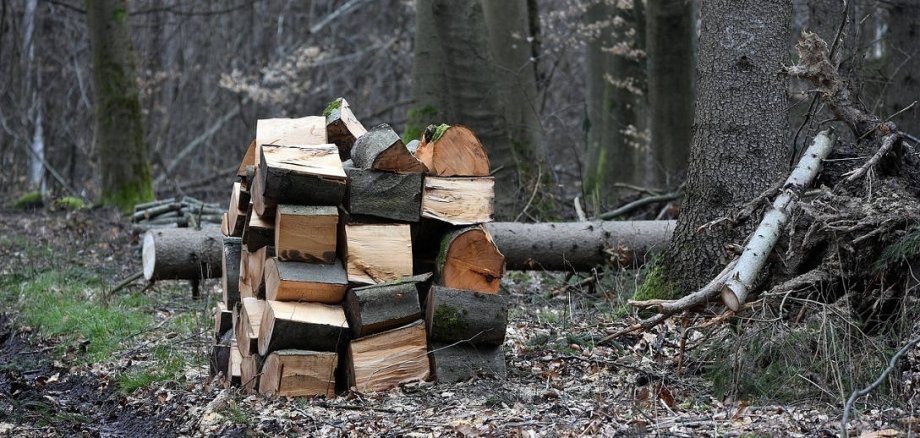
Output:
x=740 y=147
x=121 y=153
x=182 y=253
x=903 y=65
x=670 y=46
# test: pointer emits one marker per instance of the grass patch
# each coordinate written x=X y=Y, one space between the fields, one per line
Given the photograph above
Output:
x=29 y=200
x=68 y=203
x=166 y=364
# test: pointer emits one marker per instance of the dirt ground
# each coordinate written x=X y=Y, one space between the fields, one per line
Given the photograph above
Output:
x=560 y=382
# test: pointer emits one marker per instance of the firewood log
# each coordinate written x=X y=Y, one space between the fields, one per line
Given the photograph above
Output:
x=248 y=325
x=233 y=366
x=250 y=373
x=245 y=288
x=223 y=320
x=298 y=175
x=182 y=253
x=256 y=270
x=378 y=253
x=385 y=360
x=296 y=281
x=342 y=127
x=452 y=151
x=220 y=355
x=230 y=264
x=384 y=194
x=382 y=149
x=258 y=232
x=249 y=159
x=454 y=315
x=309 y=326
x=298 y=373
x=305 y=130
x=377 y=308
x=458 y=201
x=306 y=233
x=459 y=362
x=469 y=260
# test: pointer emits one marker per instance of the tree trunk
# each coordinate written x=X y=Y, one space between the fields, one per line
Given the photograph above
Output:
x=670 y=46
x=453 y=82
x=120 y=150
x=740 y=147
x=903 y=64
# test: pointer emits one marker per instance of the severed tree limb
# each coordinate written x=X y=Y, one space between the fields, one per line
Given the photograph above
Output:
x=764 y=238
x=887 y=143
x=667 y=197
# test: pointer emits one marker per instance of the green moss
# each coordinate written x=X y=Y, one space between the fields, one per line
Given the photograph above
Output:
x=69 y=203
x=449 y=319
x=131 y=193
x=416 y=118
x=29 y=200
x=439 y=131
x=334 y=105
x=656 y=285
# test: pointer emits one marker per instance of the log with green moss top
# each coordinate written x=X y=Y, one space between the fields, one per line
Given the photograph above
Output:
x=377 y=308
x=230 y=266
x=452 y=362
x=382 y=149
x=455 y=315
x=309 y=175
x=342 y=127
x=469 y=259
x=384 y=194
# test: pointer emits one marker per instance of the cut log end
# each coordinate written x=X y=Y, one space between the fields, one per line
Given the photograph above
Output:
x=730 y=299
x=470 y=260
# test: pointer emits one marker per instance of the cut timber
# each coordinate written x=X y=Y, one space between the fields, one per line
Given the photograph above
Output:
x=306 y=233
x=225 y=228
x=233 y=367
x=182 y=253
x=311 y=326
x=230 y=264
x=223 y=320
x=296 y=281
x=373 y=309
x=342 y=127
x=452 y=151
x=459 y=362
x=249 y=159
x=295 y=373
x=760 y=245
x=236 y=216
x=385 y=360
x=454 y=315
x=220 y=355
x=247 y=325
x=256 y=270
x=245 y=288
x=299 y=175
x=378 y=253
x=384 y=194
x=305 y=130
x=382 y=149
x=579 y=246
x=258 y=232
x=250 y=370
x=458 y=201
x=469 y=260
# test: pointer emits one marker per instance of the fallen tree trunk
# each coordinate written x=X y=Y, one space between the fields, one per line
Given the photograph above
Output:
x=182 y=253
x=579 y=246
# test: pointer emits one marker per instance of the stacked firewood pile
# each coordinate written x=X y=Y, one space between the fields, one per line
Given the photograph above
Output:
x=174 y=212
x=353 y=261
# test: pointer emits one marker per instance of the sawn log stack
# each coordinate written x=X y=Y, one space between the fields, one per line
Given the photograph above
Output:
x=352 y=262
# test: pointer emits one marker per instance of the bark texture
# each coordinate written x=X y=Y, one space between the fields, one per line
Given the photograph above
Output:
x=453 y=82
x=670 y=45
x=121 y=154
x=903 y=64
x=739 y=147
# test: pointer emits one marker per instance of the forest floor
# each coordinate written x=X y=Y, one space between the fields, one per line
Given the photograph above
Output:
x=76 y=360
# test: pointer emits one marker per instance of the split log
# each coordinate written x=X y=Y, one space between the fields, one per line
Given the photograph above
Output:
x=309 y=326
x=182 y=253
x=258 y=232
x=377 y=308
x=293 y=373
x=342 y=127
x=236 y=211
x=245 y=288
x=579 y=246
x=230 y=264
x=220 y=355
x=298 y=175
x=469 y=260
x=305 y=131
x=250 y=373
x=248 y=325
x=458 y=201
x=223 y=320
x=378 y=253
x=454 y=315
x=295 y=281
x=256 y=270
x=386 y=360
x=384 y=194
x=454 y=362
x=233 y=367
x=249 y=159
x=761 y=242
x=306 y=233
x=452 y=151
x=382 y=149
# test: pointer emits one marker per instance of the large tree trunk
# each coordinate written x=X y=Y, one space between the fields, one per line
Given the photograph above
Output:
x=740 y=147
x=121 y=154
x=903 y=66
x=616 y=101
x=453 y=82
x=670 y=46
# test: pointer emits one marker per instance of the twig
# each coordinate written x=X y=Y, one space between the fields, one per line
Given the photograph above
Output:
x=578 y=210
x=887 y=143
x=856 y=394
x=636 y=188
x=345 y=9
x=198 y=141
x=906 y=108
x=667 y=197
x=536 y=187
x=125 y=283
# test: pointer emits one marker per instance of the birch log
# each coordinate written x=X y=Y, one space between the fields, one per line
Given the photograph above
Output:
x=761 y=243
